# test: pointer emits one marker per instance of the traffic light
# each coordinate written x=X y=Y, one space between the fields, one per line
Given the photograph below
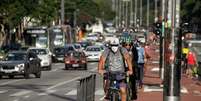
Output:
x=158 y=28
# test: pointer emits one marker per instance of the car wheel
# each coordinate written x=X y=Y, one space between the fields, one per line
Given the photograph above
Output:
x=11 y=76
x=67 y=67
x=38 y=75
x=85 y=67
x=26 y=75
x=49 y=67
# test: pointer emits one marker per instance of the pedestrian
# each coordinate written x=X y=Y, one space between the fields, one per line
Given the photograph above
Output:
x=141 y=62
x=191 y=62
x=185 y=51
x=133 y=54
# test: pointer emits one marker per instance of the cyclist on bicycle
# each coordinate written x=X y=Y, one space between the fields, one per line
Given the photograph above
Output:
x=116 y=55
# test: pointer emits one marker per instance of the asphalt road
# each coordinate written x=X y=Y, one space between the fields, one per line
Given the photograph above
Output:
x=55 y=85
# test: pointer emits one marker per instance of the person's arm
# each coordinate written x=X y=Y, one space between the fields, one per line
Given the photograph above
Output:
x=129 y=63
x=101 y=65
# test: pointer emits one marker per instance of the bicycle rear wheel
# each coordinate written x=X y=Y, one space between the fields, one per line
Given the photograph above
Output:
x=114 y=97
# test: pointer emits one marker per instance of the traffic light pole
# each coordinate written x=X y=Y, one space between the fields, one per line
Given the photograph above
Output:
x=172 y=56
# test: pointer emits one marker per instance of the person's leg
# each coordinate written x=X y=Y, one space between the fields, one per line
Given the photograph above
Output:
x=123 y=93
x=141 y=75
x=133 y=87
x=106 y=86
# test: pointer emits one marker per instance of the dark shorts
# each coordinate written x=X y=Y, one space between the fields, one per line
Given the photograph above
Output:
x=117 y=76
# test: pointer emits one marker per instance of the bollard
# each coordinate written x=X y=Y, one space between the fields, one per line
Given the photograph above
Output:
x=86 y=88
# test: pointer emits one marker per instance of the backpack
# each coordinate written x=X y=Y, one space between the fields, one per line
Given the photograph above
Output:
x=107 y=59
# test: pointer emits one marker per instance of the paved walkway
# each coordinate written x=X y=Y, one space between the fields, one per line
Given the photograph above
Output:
x=152 y=91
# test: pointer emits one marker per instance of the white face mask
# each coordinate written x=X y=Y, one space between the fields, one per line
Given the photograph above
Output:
x=114 y=48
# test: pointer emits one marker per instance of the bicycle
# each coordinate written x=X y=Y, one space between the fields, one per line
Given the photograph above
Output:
x=114 y=85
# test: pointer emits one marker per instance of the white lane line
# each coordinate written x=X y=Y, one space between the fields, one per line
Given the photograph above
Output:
x=99 y=92
x=9 y=82
x=54 y=70
x=101 y=99
x=3 y=91
x=24 y=92
x=62 y=83
x=47 y=92
x=92 y=63
x=72 y=92
x=156 y=69
x=157 y=50
x=148 y=89
x=155 y=62
x=16 y=100
x=26 y=96
x=94 y=69
x=184 y=90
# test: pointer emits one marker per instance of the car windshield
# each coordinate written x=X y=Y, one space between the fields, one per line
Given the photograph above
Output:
x=69 y=48
x=59 y=50
x=93 y=49
x=77 y=46
x=39 y=51
x=16 y=56
x=75 y=54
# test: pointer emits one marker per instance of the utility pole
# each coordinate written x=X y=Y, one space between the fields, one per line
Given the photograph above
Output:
x=148 y=16
x=173 y=49
x=135 y=13
x=156 y=11
x=162 y=45
x=141 y=12
x=131 y=14
x=62 y=12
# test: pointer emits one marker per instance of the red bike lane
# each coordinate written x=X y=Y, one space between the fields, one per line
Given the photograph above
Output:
x=152 y=89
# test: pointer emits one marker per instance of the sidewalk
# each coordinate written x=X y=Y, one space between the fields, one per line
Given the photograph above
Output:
x=152 y=91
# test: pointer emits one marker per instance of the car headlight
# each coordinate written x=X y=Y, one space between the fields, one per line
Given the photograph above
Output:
x=20 y=66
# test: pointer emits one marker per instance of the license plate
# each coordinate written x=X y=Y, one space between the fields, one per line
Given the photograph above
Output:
x=8 y=71
x=75 y=65
x=60 y=59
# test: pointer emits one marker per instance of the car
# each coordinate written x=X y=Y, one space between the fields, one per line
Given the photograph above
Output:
x=93 y=53
x=75 y=59
x=58 y=54
x=92 y=37
x=45 y=55
x=78 y=47
x=20 y=63
x=84 y=44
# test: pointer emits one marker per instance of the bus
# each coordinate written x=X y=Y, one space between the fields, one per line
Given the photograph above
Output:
x=37 y=37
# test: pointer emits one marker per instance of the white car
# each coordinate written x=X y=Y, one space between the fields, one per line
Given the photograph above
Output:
x=92 y=37
x=93 y=53
x=78 y=47
x=45 y=55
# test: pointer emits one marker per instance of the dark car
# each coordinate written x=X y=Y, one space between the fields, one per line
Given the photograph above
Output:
x=75 y=59
x=84 y=44
x=20 y=63
x=58 y=54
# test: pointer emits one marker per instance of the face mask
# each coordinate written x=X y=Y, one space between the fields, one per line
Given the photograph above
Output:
x=114 y=48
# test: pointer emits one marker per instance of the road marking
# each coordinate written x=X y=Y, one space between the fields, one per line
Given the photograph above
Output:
x=94 y=69
x=156 y=69
x=62 y=83
x=101 y=99
x=155 y=62
x=72 y=92
x=47 y=92
x=24 y=92
x=159 y=89
x=157 y=50
x=92 y=63
x=99 y=92
x=3 y=91
x=9 y=82
x=54 y=70
x=16 y=100
x=26 y=96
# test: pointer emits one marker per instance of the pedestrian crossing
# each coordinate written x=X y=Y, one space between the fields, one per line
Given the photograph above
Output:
x=73 y=92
